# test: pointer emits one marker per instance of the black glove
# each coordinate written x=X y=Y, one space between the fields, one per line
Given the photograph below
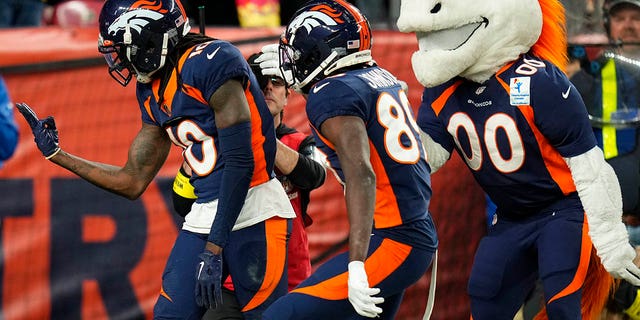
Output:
x=209 y=280
x=44 y=131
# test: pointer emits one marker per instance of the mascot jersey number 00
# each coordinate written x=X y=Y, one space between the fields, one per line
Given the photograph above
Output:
x=496 y=92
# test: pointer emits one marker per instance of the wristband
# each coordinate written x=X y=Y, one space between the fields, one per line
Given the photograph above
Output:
x=183 y=187
x=52 y=155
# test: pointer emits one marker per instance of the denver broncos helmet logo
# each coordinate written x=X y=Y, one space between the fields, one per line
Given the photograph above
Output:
x=139 y=15
x=316 y=16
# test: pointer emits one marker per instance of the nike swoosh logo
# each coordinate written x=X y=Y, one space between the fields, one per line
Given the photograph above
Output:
x=566 y=93
x=318 y=88
x=201 y=265
x=210 y=55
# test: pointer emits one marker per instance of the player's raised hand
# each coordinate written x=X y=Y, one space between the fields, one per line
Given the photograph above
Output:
x=269 y=61
x=361 y=296
x=44 y=131
x=209 y=280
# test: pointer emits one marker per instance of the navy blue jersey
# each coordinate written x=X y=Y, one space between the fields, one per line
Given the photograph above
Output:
x=403 y=186
x=512 y=131
x=191 y=123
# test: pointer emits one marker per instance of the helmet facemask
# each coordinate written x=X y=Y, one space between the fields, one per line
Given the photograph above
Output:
x=120 y=68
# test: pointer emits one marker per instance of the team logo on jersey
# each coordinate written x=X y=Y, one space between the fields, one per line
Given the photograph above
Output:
x=520 y=91
x=135 y=19
x=317 y=16
x=480 y=90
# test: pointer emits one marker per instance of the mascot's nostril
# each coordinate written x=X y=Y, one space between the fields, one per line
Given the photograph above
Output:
x=436 y=8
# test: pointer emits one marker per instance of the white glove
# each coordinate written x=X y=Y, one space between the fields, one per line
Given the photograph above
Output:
x=360 y=295
x=269 y=62
x=612 y=244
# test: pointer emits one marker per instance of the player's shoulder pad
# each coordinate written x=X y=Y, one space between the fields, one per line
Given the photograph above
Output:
x=215 y=51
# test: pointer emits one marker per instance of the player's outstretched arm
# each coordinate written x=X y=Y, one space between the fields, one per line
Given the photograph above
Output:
x=599 y=191
x=147 y=153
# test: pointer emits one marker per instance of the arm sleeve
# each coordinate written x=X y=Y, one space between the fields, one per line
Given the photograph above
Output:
x=235 y=149
x=308 y=173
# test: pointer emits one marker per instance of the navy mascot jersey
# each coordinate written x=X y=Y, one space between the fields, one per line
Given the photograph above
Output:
x=403 y=186
x=185 y=114
x=512 y=131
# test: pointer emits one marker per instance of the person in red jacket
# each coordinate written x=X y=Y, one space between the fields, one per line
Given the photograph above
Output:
x=297 y=169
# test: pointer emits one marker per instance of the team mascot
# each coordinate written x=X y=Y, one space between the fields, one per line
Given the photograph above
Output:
x=496 y=92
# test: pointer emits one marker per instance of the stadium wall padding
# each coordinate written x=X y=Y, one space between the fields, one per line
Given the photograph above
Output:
x=70 y=250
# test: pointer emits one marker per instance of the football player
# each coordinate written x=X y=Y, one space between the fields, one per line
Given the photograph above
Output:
x=362 y=121
x=200 y=94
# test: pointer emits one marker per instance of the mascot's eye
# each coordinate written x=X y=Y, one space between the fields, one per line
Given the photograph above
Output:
x=436 y=8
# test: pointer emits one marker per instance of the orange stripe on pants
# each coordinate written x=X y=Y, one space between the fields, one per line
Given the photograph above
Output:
x=276 y=234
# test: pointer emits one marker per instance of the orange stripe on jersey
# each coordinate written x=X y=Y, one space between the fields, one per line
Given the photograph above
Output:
x=147 y=106
x=164 y=294
x=365 y=32
x=583 y=265
x=195 y=93
x=379 y=265
x=260 y=174
x=386 y=214
x=276 y=228
x=323 y=139
x=500 y=71
x=556 y=166
x=172 y=87
x=438 y=104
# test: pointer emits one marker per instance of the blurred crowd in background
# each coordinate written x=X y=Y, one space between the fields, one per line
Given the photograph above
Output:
x=584 y=17
x=382 y=14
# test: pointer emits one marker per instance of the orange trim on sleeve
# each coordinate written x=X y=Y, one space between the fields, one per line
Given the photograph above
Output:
x=438 y=104
x=556 y=166
x=195 y=93
x=583 y=265
x=386 y=214
x=260 y=174
x=147 y=106
x=323 y=139
x=276 y=232
x=385 y=260
x=165 y=294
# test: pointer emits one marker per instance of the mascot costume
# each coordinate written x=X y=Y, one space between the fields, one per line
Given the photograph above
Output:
x=496 y=92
